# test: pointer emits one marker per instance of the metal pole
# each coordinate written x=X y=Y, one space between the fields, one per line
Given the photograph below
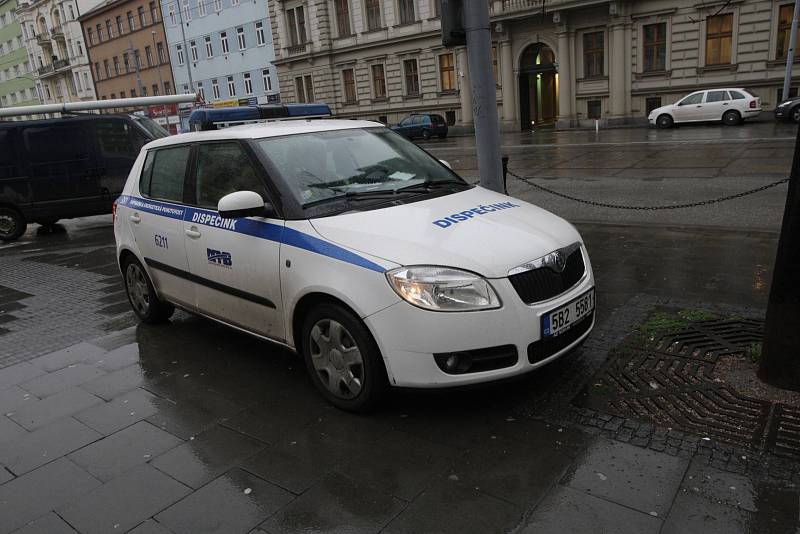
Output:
x=186 y=56
x=780 y=354
x=787 y=79
x=484 y=98
x=160 y=78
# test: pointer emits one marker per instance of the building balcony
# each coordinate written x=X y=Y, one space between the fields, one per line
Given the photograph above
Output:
x=56 y=67
x=45 y=69
x=296 y=49
x=57 y=32
x=43 y=38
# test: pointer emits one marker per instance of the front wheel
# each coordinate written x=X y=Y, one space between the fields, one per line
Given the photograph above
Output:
x=664 y=121
x=731 y=118
x=142 y=295
x=342 y=358
x=12 y=224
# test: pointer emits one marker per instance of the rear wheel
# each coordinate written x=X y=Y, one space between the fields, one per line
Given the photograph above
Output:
x=343 y=359
x=731 y=118
x=664 y=121
x=142 y=295
x=12 y=224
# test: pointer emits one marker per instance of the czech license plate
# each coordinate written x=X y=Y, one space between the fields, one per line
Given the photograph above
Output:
x=561 y=319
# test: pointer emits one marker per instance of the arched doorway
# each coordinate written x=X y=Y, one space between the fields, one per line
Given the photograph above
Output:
x=538 y=86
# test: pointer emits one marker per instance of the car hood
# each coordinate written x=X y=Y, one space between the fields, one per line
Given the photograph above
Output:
x=477 y=230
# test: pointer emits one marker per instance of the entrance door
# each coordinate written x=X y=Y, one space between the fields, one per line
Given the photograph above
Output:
x=538 y=87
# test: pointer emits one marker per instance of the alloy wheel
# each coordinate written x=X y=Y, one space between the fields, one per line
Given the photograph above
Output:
x=138 y=291
x=336 y=359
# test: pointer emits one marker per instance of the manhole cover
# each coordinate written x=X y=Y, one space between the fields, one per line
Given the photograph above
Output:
x=668 y=379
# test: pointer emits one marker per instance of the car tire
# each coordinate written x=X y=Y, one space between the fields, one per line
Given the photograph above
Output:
x=141 y=294
x=731 y=118
x=12 y=224
x=664 y=121
x=46 y=222
x=426 y=135
x=342 y=358
x=795 y=115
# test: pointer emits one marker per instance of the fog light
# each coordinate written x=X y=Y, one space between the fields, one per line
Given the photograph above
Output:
x=451 y=363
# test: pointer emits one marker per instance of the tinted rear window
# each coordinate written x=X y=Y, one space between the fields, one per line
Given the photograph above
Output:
x=736 y=95
x=49 y=144
x=164 y=173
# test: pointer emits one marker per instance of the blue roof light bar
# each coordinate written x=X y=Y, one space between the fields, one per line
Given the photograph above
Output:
x=215 y=118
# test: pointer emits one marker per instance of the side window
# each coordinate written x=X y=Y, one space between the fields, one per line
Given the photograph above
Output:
x=406 y=121
x=419 y=119
x=116 y=139
x=57 y=143
x=717 y=96
x=224 y=168
x=695 y=98
x=736 y=95
x=167 y=171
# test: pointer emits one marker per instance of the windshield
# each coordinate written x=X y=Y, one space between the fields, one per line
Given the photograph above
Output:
x=329 y=165
x=152 y=127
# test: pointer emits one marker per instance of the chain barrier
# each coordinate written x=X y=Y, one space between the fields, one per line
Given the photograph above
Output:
x=529 y=181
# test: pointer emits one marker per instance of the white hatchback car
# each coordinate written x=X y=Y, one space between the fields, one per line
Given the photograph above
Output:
x=342 y=240
x=731 y=106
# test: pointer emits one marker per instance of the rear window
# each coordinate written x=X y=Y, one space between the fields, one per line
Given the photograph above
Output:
x=437 y=119
x=164 y=173
x=737 y=95
x=56 y=143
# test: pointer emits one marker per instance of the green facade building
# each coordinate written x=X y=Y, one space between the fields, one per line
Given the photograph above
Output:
x=16 y=83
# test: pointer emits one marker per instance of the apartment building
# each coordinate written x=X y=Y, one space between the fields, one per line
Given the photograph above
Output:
x=560 y=62
x=127 y=49
x=56 y=51
x=222 y=49
x=17 y=86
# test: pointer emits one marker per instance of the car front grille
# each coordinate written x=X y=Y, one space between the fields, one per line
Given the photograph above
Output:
x=547 y=346
x=544 y=283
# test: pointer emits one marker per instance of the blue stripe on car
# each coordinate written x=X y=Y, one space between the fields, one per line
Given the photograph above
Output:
x=258 y=229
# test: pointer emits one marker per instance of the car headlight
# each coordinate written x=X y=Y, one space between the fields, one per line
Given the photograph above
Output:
x=783 y=104
x=443 y=288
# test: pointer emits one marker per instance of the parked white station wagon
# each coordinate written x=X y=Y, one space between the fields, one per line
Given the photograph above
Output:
x=346 y=242
x=731 y=106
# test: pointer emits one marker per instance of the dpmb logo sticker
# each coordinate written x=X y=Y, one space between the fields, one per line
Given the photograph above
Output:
x=217 y=257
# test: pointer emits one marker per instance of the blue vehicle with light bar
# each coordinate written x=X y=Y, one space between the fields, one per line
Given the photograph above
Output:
x=205 y=119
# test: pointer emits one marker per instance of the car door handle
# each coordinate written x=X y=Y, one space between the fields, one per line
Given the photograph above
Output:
x=193 y=233
x=724 y=103
x=135 y=218
x=699 y=106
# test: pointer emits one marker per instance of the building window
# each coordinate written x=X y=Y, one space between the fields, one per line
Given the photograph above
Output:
x=154 y=12
x=234 y=3
x=260 y=34
x=411 y=77
x=99 y=29
x=300 y=92
x=155 y=90
x=142 y=19
x=265 y=78
x=447 y=73
x=160 y=52
x=167 y=88
x=495 y=70
x=784 y=30
x=593 y=109
x=187 y=12
x=373 y=14
x=201 y=8
x=248 y=84
x=125 y=62
x=378 y=81
x=349 y=82
x=343 y=17
x=172 y=18
x=209 y=48
x=186 y=89
x=116 y=66
x=309 y=87
x=406 y=10
x=200 y=91
x=223 y=37
x=131 y=21
x=450 y=117
x=148 y=52
x=120 y=28
x=86 y=80
x=651 y=103
x=193 y=51
x=296 y=22
x=133 y=93
x=792 y=93
x=89 y=36
x=144 y=90
x=217 y=5
x=719 y=36
x=593 y=54
x=240 y=38
x=106 y=68
x=655 y=47
x=231 y=86
x=215 y=89
x=304 y=88
x=109 y=29
x=137 y=58
x=179 y=55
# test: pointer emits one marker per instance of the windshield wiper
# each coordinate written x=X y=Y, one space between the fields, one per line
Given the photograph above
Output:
x=433 y=184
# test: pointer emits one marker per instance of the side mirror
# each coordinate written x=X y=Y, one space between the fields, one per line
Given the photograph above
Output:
x=244 y=204
x=446 y=164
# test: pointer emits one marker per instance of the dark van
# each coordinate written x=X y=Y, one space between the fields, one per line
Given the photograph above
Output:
x=67 y=167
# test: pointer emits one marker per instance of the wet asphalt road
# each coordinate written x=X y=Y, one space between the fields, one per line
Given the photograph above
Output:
x=111 y=426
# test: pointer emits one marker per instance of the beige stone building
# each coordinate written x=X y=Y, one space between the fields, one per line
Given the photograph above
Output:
x=127 y=49
x=564 y=62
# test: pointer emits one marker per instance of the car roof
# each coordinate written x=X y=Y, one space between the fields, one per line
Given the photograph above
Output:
x=261 y=129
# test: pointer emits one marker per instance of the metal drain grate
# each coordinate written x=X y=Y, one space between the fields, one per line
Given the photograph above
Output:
x=669 y=381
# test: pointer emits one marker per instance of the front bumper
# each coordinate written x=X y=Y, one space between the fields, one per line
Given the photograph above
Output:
x=783 y=114
x=409 y=337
